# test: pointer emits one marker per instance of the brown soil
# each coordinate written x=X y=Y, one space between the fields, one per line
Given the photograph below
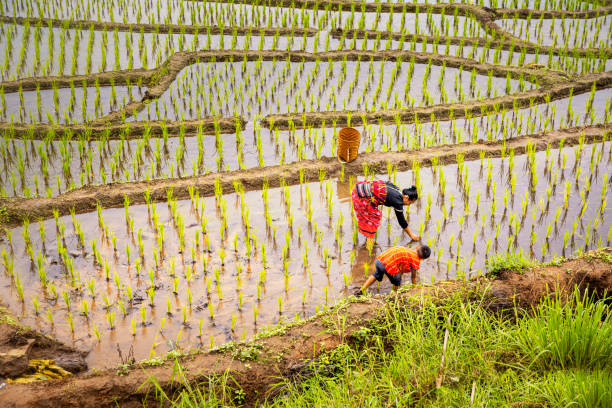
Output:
x=282 y=355
x=131 y=130
x=112 y=195
x=128 y=76
x=469 y=10
x=41 y=347
x=486 y=16
x=553 y=91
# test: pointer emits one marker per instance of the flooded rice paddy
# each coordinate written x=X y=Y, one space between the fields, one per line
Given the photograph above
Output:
x=208 y=270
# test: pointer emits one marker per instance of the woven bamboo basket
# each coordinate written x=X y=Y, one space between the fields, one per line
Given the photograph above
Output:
x=348 y=144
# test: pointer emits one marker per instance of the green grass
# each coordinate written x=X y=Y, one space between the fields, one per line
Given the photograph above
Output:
x=508 y=262
x=584 y=389
x=563 y=335
x=560 y=355
x=220 y=391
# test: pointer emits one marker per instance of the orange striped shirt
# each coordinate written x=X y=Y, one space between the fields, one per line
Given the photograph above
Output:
x=399 y=259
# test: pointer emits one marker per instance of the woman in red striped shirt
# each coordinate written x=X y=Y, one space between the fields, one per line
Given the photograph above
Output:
x=367 y=196
x=394 y=262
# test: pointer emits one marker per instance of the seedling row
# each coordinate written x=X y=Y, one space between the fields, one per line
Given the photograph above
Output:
x=583 y=33
x=247 y=14
x=66 y=105
x=262 y=87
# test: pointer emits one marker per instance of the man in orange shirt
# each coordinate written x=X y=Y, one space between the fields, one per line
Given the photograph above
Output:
x=394 y=262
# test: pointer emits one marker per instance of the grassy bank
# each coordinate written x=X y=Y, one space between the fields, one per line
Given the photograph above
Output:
x=452 y=353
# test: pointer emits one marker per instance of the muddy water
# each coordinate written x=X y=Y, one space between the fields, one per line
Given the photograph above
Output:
x=259 y=88
x=101 y=162
x=66 y=105
x=594 y=32
x=321 y=260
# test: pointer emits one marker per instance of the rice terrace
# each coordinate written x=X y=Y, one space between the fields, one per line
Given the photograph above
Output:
x=306 y=203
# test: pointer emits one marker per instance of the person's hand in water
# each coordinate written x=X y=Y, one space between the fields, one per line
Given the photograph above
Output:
x=412 y=235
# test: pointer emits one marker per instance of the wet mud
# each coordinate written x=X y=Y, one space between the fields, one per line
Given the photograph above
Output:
x=158 y=28
x=22 y=344
x=129 y=130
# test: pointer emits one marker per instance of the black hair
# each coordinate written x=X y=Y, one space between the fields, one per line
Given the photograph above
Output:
x=411 y=192
x=424 y=251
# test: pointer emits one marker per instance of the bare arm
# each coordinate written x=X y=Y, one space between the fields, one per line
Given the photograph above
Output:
x=371 y=279
x=414 y=237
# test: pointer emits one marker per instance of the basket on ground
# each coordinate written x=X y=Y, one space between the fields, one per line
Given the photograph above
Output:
x=348 y=144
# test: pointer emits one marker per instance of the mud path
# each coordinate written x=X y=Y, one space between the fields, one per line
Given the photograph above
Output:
x=283 y=355
x=550 y=92
x=486 y=16
x=462 y=9
x=123 y=77
x=157 y=28
x=130 y=130
x=112 y=195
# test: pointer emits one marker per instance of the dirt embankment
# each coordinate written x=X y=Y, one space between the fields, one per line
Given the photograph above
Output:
x=159 y=28
x=284 y=354
x=129 y=130
x=553 y=91
x=123 y=77
x=486 y=16
x=19 y=344
x=112 y=195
